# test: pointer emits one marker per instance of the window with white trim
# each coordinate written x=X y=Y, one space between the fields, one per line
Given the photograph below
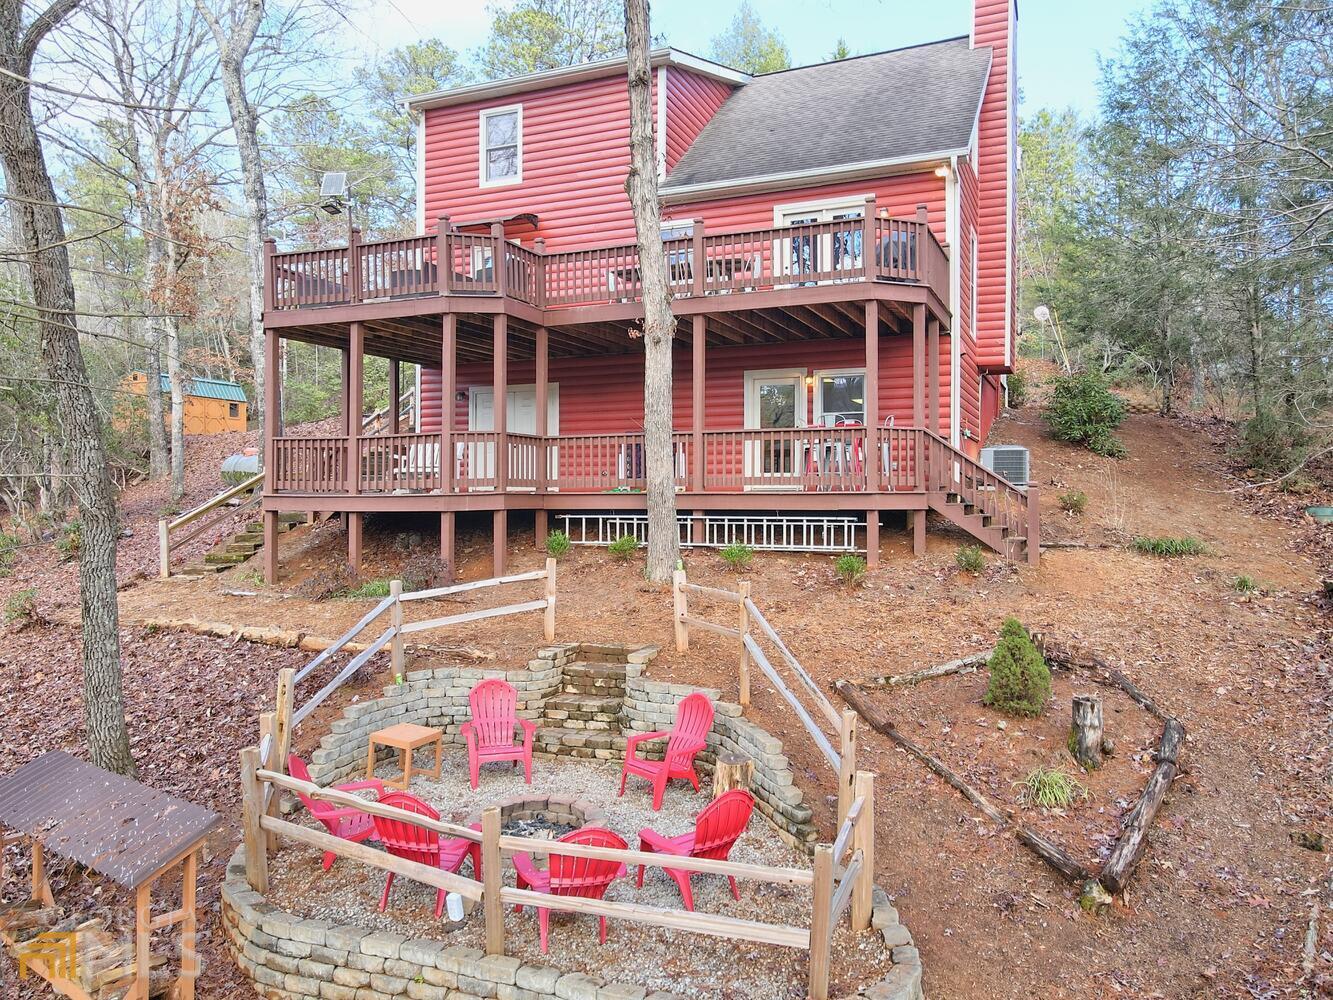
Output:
x=501 y=136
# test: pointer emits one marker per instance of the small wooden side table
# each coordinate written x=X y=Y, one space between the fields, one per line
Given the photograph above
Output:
x=405 y=738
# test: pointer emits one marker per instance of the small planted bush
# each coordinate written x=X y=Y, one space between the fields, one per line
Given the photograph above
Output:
x=70 y=541
x=970 y=559
x=371 y=588
x=21 y=608
x=1020 y=680
x=1168 y=547
x=1019 y=388
x=1051 y=788
x=851 y=568
x=557 y=544
x=623 y=548
x=737 y=556
x=1245 y=585
x=1083 y=410
x=1073 y=502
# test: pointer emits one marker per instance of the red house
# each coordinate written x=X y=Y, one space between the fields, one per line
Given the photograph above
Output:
x=840 y=238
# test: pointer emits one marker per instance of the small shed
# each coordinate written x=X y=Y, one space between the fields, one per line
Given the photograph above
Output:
x=126 y=831
x=212 y=405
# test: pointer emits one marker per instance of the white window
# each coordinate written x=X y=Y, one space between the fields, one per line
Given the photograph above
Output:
x=501 y=153
x=840 y=397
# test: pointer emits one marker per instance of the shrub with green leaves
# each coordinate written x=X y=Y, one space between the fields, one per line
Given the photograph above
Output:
x=851 y=568
x=558 y=544
x=371 y=588
x=9 y=545
x=737 y=556
x=1245 y=585
x=69 y=541
x=1168 y=547
x=1083 y=410
x=623 y=548
x=1050 y=788
x=1073 y=502
x=1020 y=680
x=1019 y=388
x=1268 y=443
x=21 y=608
x=970 y=559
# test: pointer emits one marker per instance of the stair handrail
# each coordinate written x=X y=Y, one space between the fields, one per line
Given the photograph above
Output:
x=1025 y=499
x=166 y=526
x=406 y=400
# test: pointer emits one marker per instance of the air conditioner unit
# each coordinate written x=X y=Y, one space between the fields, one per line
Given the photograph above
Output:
x=1009 y=461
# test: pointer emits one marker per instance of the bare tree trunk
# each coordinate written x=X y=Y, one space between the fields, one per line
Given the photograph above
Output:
x=234 y=41
x=658 y=324
x=159 y=457
x=40 y=233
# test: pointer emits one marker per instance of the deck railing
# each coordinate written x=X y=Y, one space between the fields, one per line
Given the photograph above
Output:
x=703 y=263
x=800 y=459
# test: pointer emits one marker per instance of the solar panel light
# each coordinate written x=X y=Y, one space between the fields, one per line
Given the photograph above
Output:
x=333 y=192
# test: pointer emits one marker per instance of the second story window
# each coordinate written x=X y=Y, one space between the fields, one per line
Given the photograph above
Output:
x=502 y=146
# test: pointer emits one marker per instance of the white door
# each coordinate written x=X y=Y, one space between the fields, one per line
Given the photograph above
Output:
x=807 y=254
x=774 y=402
x=520 y=418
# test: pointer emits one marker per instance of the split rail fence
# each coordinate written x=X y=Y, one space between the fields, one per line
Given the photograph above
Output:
x=750 y=620
x=232 y=506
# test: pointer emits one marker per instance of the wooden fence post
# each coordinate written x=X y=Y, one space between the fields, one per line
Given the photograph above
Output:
x=821 y=925
x=164 y=547
x=745 y=650
x=682 y=611
x=847 y=772
x=252 y=808
x=1034 y=526
x=282 y=742
x=268 y=731
x=548 y=618
x=396 y=623
x=863 y=840
x=492 y=879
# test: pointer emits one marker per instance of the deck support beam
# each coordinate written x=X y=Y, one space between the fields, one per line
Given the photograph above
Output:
x=918 y=525
x=872 y=403
x=447 y=545
x=272 y=408
x=354 y=522
x=271 y=544
x=542 y=350
x=500 y=401
x=500 y=528
x=356 y=345
x=933 y=377
x=395 y=391
x=918 y=365
x=448 y=386
x=872 y=539
x=698 y=351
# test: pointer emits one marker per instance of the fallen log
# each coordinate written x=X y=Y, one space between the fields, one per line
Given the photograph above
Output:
x=1133 y=839
x=1035 y=842
x=959 y=666
x=1066 y=656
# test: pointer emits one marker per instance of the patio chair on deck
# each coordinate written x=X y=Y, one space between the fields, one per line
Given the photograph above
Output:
x=569 y=876
x=715 y=832
x=694 y=718
x=347 y=822
x=414 y=843
x=490 y=732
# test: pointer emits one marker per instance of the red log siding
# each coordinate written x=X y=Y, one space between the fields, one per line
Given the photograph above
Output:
x=604 y=395
x=691 y=101
x=575 y=160
x=971 y=416
x=994 y=25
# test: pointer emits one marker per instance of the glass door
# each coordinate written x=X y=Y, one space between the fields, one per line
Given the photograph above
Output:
x=774 y=410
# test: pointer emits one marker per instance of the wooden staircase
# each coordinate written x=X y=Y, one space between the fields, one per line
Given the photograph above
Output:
x=988 y=507
x=239 y=547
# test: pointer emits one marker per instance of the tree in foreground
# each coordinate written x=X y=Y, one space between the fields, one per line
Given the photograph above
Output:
x=39 y=233
x=750 y=46
x=659 y=325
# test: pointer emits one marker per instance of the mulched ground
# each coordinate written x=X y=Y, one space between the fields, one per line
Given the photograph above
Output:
x=1220 y=905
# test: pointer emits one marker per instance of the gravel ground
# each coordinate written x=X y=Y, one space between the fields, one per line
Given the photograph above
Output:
x=687 y=964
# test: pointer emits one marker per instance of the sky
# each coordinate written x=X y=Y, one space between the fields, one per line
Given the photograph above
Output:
x=1059 y=40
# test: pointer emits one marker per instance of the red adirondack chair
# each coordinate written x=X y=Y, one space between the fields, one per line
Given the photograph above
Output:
x=406 y=840
x=346 y=822
x=694 y=717
x=490 y=733
x=568 y=876
x=715 y=832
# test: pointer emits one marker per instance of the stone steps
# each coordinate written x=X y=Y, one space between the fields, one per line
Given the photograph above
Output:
x=581 y=711
x=597 y=679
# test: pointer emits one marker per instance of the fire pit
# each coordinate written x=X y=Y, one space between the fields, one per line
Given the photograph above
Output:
x=548 y=816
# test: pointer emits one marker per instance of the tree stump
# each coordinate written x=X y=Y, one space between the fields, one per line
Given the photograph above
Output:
x=732 y=770
x=1085 y=737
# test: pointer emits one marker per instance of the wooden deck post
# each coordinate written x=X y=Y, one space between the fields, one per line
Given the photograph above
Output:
x=500 y=260
x=354 y=264
x=444 y=264
x=682 y=610
x=872 y=396
x=933 y=374
x=847 y=772
x=447 y=545
x=863 y=840
x=163 y=547
x=548 y=618
x=270 y=286
x=448 y=386
x=252 y=808
x=918 y=365
x=500 y=402
x=396 y=621
x=698 y=369
x=492 y=875
x=699 y=262
x=272 y=408
x=395 y=393
x=270 y=519
x=744 y=679
x=356 y=344
x=499 y=541
x=869 y=249
x=918 y=532
x=872 y=539
x=543 y=352
x=1034 y=526
x=821 y=925
x=355 y=520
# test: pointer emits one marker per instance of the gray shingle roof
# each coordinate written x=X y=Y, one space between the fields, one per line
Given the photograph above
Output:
x=891 y=105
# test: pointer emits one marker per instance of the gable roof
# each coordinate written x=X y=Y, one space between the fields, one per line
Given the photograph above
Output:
x=902 y=106
x=208 y=388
